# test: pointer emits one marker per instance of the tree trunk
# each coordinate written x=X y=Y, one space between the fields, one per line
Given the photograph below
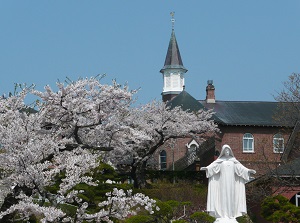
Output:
x=138 y=174
x=138 y=171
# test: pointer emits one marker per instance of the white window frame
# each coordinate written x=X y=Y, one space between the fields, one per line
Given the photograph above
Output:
x=276 y=141
x=160 y=163
x=297 y=199
x=250 y=139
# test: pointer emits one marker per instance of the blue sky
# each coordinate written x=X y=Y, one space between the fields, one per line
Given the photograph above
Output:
x=248 y=48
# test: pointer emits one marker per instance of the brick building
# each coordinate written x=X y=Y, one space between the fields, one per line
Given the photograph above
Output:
x=255 y=131
x=251 y=128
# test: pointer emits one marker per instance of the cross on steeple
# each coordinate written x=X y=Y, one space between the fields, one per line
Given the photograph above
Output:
x=172 y=20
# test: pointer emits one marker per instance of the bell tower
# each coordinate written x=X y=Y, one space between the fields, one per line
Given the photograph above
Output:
x=173 y=71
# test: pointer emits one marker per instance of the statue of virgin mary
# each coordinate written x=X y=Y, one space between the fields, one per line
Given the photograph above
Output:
x=226 y=199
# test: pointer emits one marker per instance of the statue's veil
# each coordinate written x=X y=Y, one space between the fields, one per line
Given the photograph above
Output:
x=223 y=151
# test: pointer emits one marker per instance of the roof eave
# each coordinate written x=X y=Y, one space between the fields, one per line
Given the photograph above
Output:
x=256 y=125
x=178 y=67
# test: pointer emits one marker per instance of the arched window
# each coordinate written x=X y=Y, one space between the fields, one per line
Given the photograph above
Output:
x=163 y=160
x=296 y=199
x=278 y=143
x=248 y=143
x=192 y=153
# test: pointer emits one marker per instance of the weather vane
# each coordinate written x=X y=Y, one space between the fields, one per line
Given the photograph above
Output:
x=172 y=20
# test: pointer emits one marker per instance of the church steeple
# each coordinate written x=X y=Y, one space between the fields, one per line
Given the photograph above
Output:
x=173 y=70
x=173 y=58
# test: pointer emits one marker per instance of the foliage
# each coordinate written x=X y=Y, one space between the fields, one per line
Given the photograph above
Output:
x=182 y=192
x=169 y=176
x=202 y=217
x=192 y=196
x=139 y=219
x=289 y=97
x=158 y=124
x=179 y=221
x=279 y=209
x=165 y=213
x=53 y=159
x=244 y=219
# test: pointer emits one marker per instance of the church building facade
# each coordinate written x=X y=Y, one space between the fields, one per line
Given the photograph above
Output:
x=251 y=129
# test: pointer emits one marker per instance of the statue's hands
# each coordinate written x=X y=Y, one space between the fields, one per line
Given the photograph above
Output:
x=203 y=168
x=252 y=171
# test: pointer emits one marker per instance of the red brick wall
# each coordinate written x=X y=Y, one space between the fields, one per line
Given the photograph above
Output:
x=287 y=192
x=263 y=145
x=210 y=92
x=179 y=148
x=263 y=159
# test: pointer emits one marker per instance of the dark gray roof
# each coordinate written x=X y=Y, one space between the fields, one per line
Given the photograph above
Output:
x=186 y=102
x=173 y=58
x=236 y=113
x=291 y=169
x=29 y=110
x=250 y=113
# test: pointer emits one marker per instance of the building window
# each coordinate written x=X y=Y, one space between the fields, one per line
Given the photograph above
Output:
x=278 y=143
x=248 y=143
x=168 y=81
x=163 y=160
x=296 y=199
x=192 y=154
x=175 y=80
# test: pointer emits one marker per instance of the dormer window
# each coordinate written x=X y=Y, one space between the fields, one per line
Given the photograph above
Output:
x=192 y=150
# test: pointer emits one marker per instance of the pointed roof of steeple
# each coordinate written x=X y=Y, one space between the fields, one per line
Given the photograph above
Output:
x=173 y=58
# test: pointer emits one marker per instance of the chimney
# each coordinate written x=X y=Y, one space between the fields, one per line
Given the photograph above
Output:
x=210 y=92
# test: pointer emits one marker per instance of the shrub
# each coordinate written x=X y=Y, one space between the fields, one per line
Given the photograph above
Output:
x=279 y=209
x=244 y=219
x=180 y=221
x=139 y=219
x=166 y=210
x=202 y=217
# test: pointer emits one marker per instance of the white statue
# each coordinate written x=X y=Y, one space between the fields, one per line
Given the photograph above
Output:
x=226 y=197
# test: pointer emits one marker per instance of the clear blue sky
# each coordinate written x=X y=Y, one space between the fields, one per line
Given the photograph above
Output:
x=248 y=48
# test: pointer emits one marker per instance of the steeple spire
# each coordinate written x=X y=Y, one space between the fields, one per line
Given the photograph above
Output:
x=173 y=58
x=173 y=70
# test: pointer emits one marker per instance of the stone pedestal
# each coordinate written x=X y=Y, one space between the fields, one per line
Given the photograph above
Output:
x=225 y=220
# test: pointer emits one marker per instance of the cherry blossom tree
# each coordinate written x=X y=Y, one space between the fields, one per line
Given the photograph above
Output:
x=107 y=119
x=72 y=131
x=61 y=144
x=154 y=124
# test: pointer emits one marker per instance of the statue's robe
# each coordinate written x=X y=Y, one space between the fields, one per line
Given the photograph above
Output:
x=226 y=188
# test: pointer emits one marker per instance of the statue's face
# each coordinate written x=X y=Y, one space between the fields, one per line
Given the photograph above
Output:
x=227 y=152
